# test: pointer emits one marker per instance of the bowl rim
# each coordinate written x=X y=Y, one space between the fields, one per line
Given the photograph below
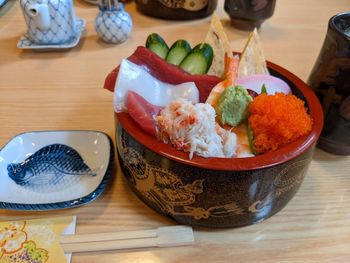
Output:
x=266 y=160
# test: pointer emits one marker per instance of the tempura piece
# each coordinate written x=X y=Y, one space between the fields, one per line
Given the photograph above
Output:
x=252 y=60
x=217 y=39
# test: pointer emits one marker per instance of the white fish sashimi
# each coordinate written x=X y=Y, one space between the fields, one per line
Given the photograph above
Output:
x=132 y=77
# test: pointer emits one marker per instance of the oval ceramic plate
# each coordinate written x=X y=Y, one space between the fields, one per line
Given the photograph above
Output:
x=47 y=170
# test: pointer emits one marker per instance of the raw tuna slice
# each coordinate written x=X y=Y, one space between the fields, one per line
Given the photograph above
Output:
x=142 y=112
x=165 y=72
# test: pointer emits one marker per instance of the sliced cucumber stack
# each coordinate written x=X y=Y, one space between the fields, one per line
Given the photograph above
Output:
x=157 y=44
x=178 y=51
x=195 y=61
x=199 y=60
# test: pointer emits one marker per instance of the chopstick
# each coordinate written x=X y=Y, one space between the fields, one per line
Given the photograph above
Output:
x=160 y=237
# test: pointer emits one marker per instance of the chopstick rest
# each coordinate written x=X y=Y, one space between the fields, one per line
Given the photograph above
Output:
x=159 y=237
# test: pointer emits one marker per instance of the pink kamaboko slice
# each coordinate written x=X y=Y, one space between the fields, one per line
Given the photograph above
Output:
x=136 y=78
x=272 y=84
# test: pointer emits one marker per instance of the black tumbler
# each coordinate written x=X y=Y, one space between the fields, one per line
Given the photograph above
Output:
x=330 y=79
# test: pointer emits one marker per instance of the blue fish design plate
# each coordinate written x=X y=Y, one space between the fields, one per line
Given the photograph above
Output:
x=47 y=170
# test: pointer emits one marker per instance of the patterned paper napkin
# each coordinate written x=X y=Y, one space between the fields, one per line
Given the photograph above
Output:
x=35 y=241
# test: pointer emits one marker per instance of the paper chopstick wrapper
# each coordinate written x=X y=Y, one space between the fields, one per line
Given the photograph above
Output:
x=46 y=240
x=159 y=237
x=35 y=240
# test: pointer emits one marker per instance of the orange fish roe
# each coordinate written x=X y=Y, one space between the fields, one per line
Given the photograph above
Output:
x=277 y=120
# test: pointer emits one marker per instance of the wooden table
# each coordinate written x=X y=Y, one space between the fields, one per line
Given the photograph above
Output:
x=63 y=90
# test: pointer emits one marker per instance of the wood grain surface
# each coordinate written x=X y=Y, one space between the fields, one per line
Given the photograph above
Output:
x=63 y=90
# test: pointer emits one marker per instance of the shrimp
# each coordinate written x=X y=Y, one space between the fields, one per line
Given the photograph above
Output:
x=231 y=72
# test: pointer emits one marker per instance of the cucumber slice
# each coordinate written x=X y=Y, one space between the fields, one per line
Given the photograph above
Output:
x=157 y=44
x=251 y=139
x=178 y=52
x=199 y=60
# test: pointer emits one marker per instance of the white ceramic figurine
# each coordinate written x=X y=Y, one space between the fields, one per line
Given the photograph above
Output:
x=113 y=24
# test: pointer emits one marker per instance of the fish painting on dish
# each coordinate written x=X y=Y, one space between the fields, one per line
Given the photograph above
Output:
x=52 y=168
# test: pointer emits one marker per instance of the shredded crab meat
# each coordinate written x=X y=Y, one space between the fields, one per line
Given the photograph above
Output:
x=192 y=128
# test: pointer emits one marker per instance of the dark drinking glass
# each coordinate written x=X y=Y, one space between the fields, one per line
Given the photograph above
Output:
x=330 y=79
x=248 y=14
x=177 y=9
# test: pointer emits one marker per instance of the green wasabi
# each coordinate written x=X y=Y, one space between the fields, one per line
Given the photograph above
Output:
x=232 y=107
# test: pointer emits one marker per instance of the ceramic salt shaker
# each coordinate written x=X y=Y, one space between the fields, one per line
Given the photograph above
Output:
x=113 y=24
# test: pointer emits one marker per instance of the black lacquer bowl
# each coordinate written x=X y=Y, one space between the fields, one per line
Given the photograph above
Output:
x=217 y=192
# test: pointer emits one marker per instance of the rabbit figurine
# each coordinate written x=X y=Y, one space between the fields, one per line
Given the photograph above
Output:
x=113 y=24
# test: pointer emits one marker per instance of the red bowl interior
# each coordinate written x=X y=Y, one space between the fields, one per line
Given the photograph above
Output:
x=279 y=156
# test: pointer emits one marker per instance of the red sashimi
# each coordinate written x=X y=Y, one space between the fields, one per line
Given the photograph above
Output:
x=165 y=72
x=142 y=112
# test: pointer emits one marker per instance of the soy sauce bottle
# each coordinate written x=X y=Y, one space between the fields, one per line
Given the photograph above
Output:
x=177 y=9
